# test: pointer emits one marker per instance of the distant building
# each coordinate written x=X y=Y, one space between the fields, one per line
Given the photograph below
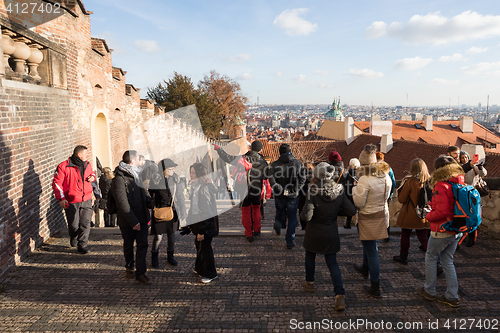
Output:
x=335 y=113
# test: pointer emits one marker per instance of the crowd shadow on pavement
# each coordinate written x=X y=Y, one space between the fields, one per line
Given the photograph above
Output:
x=56 y=289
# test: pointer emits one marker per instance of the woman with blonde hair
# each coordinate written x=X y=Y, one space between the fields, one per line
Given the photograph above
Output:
x=408 y=195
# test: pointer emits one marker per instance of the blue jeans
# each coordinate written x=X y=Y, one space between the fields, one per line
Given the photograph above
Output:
x=443 y=248
x=333 y=267
x=370 y=259
x=286 y=207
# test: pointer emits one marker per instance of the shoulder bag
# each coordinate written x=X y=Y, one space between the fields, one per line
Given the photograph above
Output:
x=165 y=214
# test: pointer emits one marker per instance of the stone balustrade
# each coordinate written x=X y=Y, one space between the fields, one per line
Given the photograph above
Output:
x=21 y=57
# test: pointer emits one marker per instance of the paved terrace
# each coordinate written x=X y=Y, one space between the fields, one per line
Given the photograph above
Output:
x=58 y=290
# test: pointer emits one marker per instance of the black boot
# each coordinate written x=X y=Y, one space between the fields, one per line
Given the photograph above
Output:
x=402 y=258
x=361 y=269
x=154 y=259
x=170 y=258
x=373 y=289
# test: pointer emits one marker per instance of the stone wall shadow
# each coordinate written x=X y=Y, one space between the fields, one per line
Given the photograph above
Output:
x=29 y=209
x=8 y=218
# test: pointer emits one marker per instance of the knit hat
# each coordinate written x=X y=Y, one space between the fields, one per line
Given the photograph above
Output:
x=334 y=157
x=256 y=146
x=354 y=163
x=368 y=155
x=285 y=148
x=465 y=153
x=324 y=171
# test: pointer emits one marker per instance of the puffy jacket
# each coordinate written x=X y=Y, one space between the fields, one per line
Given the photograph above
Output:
x=370 y=197
x=373 y=182
x=69 y=185
x=256 y=174
x=131 y=200
x=208 y=224
x=325 y=200
x=288 y=174
x=443 y=201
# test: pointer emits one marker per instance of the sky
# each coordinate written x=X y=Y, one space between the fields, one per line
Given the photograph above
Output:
x=387 y=52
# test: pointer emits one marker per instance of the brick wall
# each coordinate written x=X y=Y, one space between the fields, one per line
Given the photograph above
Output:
x=35 y=136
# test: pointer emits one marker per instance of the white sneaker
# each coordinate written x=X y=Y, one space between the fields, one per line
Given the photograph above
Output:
x=208 y=280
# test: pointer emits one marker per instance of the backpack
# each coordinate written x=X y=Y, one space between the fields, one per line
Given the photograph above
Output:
x=422 y=207
x=467 y=212
x=240 y=173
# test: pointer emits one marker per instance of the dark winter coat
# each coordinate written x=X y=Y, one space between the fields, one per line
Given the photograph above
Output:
x=104 y=186
x=350 y=183
x=325 y=200
x=256 y=174
x=408 y=194
x=208 y=224
x=131 y=200
x=162 y=197
x=289 y=175
x=443 y=202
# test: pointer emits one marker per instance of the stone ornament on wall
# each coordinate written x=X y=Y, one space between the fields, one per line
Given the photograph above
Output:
x=21 y=57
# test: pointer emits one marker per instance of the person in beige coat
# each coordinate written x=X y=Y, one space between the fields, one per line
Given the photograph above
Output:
x=370 y=197
x=408 y=195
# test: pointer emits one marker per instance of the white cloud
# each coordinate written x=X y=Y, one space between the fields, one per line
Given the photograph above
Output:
x=321 y=72
x=481 y=67
x=476 y=50
x=242 y=57
x=443 y=82
x=323 y=85
x=245 y=76
x=294 y=25
x=452 y=58
x=492 y=74
x=376 y=30
x=148 y=46
x=300 y=78
x=278 y=74
x=437 y=29
x=365 y=73
x=409 y=64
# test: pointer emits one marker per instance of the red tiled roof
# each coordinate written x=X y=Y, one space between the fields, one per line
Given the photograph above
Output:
x=442 y=133
x=399 y=157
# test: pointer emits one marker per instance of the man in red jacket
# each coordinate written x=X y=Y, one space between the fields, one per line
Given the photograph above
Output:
x=73 y=189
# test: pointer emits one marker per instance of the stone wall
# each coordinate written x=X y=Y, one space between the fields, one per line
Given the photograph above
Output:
x=36 y=134
x=491 y=213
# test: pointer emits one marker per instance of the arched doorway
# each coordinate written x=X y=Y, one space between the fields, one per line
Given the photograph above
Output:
x=101 y=147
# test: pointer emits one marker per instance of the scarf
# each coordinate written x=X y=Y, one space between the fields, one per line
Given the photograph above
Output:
x=131 y=169
x=80 y=164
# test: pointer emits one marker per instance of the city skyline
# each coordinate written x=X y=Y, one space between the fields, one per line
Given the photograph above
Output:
x=411 y=53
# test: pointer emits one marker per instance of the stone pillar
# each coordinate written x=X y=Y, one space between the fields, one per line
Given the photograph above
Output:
x=20 y=55
x=8 y=47
x=34 y=60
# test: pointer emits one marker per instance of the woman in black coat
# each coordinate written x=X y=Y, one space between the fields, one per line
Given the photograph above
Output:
x=326 y=198
x=203 y=221
x=163 y=194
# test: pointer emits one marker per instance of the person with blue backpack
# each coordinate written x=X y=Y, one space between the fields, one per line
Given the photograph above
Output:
x=442 y=243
